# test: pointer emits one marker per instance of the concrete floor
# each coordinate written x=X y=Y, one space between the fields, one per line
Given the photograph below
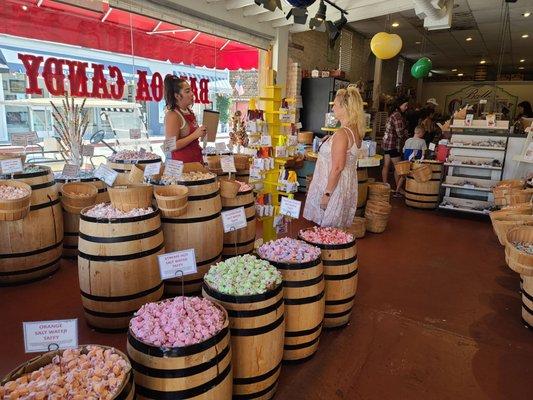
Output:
x=437 y=316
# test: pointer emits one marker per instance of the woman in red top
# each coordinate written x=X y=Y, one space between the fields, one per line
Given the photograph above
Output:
x=180 y=121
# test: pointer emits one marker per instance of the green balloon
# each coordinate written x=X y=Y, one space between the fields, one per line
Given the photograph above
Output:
x=421 y=68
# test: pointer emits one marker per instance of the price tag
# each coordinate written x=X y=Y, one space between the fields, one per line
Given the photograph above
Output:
x=255 y=173
x=469 y=186
x=251 y=126
x=483 y=101
x=285 y=117
x=19 y=139
x=87 y=150
x=281 y=151
x=106 y=174
x=227 y=163
x=266 y=140
x=11 y=165
x=290 y=207
x=299 y=125
x=220 y=146
x=169 y=145
x=41 y=336
x=234 y=219
x=173 y=168
x=135 y=133
x=70 y=170
x=432 y=146
x=142 y=153
x=177 y=264
x=152 y=169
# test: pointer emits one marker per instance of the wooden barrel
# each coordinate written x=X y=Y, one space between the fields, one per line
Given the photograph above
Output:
x=340 y=274
x=527 y=300
x=241 y=241
x=424 y=195
x=30 y=248
x=71 y=225
x=362 y=188
x=117 y=267
x=200 y=228
x=201 y=371
x=257 y=326
x=304 y=308
x=102 y=196
x=125 y=165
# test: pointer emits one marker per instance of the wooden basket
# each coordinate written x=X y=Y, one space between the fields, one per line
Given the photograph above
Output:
x=128 y=197
x=377 y=215
x=213 y=162
x=305 y=137
x=502 y=225
x=7 y=156
x=228 y=188
x=502 y=191
x=242 y=162
x=519 y=196
x=519 y=261
x=172 y=199
x=518 y=209
x=422 y=172
x=358 y=228
x=379 y=191
x=403 y=167
x=15 y=209
x=75 y=196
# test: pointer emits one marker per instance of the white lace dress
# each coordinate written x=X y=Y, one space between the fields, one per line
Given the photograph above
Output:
x=343 y=201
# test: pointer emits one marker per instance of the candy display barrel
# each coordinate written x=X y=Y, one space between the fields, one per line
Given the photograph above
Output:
x=71 y=224
x=304 y=308
x=240 y=241
x=243 y=175
x=30 y=248
x=200 y=228
x=362 y=188
x=257 y=327
x=527 y=300
x=426 y=194
x=340 y=274
x=125 y=165
x=117 y=267
x=201 y=371
x=102 y=196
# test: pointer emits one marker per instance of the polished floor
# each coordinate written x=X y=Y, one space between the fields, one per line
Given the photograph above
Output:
x=437 y=316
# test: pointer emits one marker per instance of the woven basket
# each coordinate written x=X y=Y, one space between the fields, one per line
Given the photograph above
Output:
x=305 y=137
x=504 y=224
x=213 y=162
x=75 y=196
x=172 y=199
x=15 y=209
x=228 y=188
x=519 y=196
x=403 y=167
x=519 y=261
x=242 y=162
x=377 y=215
x=422 y=172
x=358 y=228
x=502 y=191
x=379 y=191
x=128 y=197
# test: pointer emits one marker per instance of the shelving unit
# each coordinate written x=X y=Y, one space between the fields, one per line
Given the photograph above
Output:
x=474 y=169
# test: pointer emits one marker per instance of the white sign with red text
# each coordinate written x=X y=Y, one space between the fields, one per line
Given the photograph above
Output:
x=41 y=336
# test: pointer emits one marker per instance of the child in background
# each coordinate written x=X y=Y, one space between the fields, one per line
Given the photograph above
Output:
x=414 y=148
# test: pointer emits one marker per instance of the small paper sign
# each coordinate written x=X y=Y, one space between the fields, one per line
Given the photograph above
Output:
x=41 y=336
x=251 y=126
x=169 y=145
x=87 y=150
x=285 y=117
x=70 y=170
x=281 y=151
x=432 y=147
x=234 y=219
x=106 y=174
x=19 y=139
x=152 y=169
x=266 y=140
x=290 y=207
x=255 y=173
x=135 y=133
x=469 y=186
x=50 y=144
x=11 y=165
x=227 y=163
x=299 y=125
x=220 y=146
x=173 y=168
x=142 y=153
x=177 y=264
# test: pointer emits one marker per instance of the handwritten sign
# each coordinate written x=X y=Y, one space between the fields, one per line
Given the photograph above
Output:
x=152 y=169
x=173 y=168
x=135 y=133
x=234 y=219
x=11 y=165
x=169 y=145
x=106 y=174
x=177 y=263
x=266 y=140
x=70 y=170
x=87 y=150
x=227 y=163
x=290 y=207
x=41 y=336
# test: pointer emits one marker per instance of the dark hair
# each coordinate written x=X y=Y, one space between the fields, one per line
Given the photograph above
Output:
x=526 y=105
x=172 y=87
x=399 y=101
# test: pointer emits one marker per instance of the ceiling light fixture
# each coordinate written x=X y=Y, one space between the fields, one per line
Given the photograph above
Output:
x=525 y=36
x=483 y=62
x=523 y=60
x=335 y=28
x=521 y=68
x=418 y=42
x=460 y=74
x=24 y=8
x=526 y=14
x=299 y=14
x=454 y=70
x=395 y=24
x=468 y=39
x=269 y=4
x=317 y=23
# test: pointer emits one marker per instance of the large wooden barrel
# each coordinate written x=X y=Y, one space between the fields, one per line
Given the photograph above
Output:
x=527 y=300
x=424 y=195
x=125 y=165
x=362 y=188
x=257 y=326
x=117 y=267
x=200 y=228
x=340 y=274
x=304 y=308
x=30 y=248
x=241 y=241
x=102 y=197
x=201 y=371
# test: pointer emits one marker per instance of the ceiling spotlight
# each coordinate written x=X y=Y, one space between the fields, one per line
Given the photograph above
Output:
x=335 y=28
x=317 y=23
x=525 y=36
x=526 y=14
x=299 y=14
x=483 y=62
x=418 y=42
x=269 y=4
x=24 y=8
x=523 y=60
x=454 y=70
x=395 y=24
x=469 y=39
x=521 y=68
x=460 y=74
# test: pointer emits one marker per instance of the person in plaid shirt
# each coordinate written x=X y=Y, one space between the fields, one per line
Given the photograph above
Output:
x=395 y=134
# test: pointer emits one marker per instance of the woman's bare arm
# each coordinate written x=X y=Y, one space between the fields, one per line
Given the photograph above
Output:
x=172 y=129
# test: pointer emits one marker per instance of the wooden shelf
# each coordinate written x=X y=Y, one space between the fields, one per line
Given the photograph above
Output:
x=520 y=158
x=473 y=166
x=466 y=188
x=477 y=147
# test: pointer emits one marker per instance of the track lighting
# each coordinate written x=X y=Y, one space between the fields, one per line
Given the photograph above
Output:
x=318 y=22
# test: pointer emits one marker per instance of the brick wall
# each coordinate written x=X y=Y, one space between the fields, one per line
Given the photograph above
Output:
x=250 y=81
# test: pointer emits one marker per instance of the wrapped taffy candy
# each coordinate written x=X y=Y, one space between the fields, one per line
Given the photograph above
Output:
x=107 y=211
x=325 y=235
x=288 y=251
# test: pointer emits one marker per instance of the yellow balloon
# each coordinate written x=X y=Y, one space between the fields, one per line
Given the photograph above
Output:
x=385 y=45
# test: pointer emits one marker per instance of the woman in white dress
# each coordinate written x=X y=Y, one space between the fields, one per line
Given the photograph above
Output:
x=332 y=197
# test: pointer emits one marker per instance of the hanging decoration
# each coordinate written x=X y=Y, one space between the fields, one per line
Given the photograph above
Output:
x=421 y=68
x=385 y=45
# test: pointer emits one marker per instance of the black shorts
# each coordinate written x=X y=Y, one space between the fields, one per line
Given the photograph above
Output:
x=392 y=153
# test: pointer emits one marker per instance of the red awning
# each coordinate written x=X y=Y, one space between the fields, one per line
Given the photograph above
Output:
x=109 y=29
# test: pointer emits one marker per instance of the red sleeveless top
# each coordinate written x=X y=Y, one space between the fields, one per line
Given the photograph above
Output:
x=192 y=152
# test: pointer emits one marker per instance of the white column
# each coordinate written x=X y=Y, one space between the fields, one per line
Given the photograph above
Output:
x=280 y=56
x=377 y=84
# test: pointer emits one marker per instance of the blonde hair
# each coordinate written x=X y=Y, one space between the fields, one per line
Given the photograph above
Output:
x=352 y=101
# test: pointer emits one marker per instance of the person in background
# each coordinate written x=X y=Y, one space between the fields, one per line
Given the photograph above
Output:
x=180 y=122
x=395 y=134
x=432 y=104
x=414 y=149
x=332 y=197
x=427 y=122
x=523 y=110
x=412 y=116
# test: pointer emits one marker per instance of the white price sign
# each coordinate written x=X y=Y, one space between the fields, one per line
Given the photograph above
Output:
x=173 y=168
x=152 y=169
x=432 y=147
x=266 y=140
x=11 y=165
x=135 y=133
x=70 y=170
x=169 y=145
x=299 y=125
x=255 y=173
x=227 y=163
x=106 y=174
x=220 y=146
x=177 y=264
x=41 y=336
x=290 y=207
x=87 y=150
x=234 y=219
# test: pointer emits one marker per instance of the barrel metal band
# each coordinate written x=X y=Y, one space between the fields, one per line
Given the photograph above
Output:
x=341 y=277
x=258 y=378
x=255 y=395
x=286 y=266
x=246 y=192
x=249 y=205
x=123 y=257
x=305 y=300
x=301 y=345
x=70 y=246
x=422 y=194
x=190 y=220
x=299 y=284
x=197 y=183
x=527 y=323
x=102 y=314
x=257 y=331
x=128 y=162
x=139 y=218
x=337 y=315
x=33 y=252
x=127 y=297
x=203 y=196
x=253 y=298
x=525 y=307
x=230 y=245
x=330 y=246
x=44 y=205
x=527 y=295
x=255 y=313
x=339 y=302
x=118 y=239
x=336 y=263
x=71 y=233
x=304 y=332
x=30 y=270
x=189 y=282
x=42 y=185
x=21 y=175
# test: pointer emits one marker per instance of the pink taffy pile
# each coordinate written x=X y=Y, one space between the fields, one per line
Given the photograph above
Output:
x=130 y=155
x=244 y=187
x=106 y=210
x=99 y=374
x=287 y=250
x=12 y=193
x=181 y=321
x=326 y=235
